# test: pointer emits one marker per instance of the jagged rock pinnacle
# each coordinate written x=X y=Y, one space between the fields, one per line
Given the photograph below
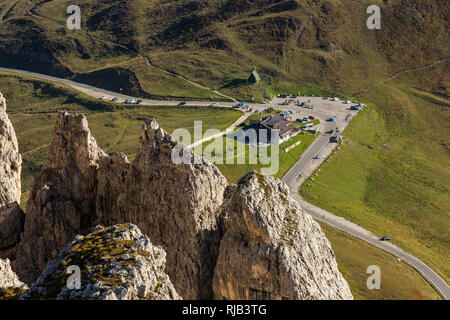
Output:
x=272 y=250
x=10 y=160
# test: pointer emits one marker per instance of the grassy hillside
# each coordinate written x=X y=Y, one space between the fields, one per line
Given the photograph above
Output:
x=392 y=174
x=398 y=280
x=33 y=106
x=322 y=45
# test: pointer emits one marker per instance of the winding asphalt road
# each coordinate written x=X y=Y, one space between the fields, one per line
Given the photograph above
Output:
x=291 y=178
x=349 y=227
x=98 y=92
x=307 y=157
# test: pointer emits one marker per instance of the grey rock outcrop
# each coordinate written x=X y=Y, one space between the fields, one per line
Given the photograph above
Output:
x=8 y=279
x=10 y=160
x=12 y=219
x=80 y=186
x=272 y=250
x=116 y=263
x=62 y=201
x=176 y=205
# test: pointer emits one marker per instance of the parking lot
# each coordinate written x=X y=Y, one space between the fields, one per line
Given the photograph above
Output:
x=322 y=108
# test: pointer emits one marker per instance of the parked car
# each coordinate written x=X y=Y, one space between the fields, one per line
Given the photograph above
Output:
x=334 y=139
x=319 y=156
x=215 y=104
x=385 y=238
x=312 y=118
x=139 y=101
x=104 y=98
x=331 y=119
x=115 y=99
x=132 y=101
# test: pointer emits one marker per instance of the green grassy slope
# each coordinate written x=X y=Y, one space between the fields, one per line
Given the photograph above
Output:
x=322 y=45
x=398 y=280
x=392 y=174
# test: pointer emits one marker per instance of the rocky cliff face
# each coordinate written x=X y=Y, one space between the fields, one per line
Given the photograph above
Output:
x=10 y=160
x=116 y=263
x=176 y=205
x=8 y=279
x=11 y=216
x=272 y=250
x=62 y=201
x=81 y=186
x=12 y=219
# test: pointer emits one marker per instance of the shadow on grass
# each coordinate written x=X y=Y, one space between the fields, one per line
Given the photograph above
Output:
x=235 y=83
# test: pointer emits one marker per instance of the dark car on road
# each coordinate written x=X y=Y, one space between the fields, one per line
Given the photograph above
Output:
x=385 y=238
x=182 y=103
x=335 y=139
